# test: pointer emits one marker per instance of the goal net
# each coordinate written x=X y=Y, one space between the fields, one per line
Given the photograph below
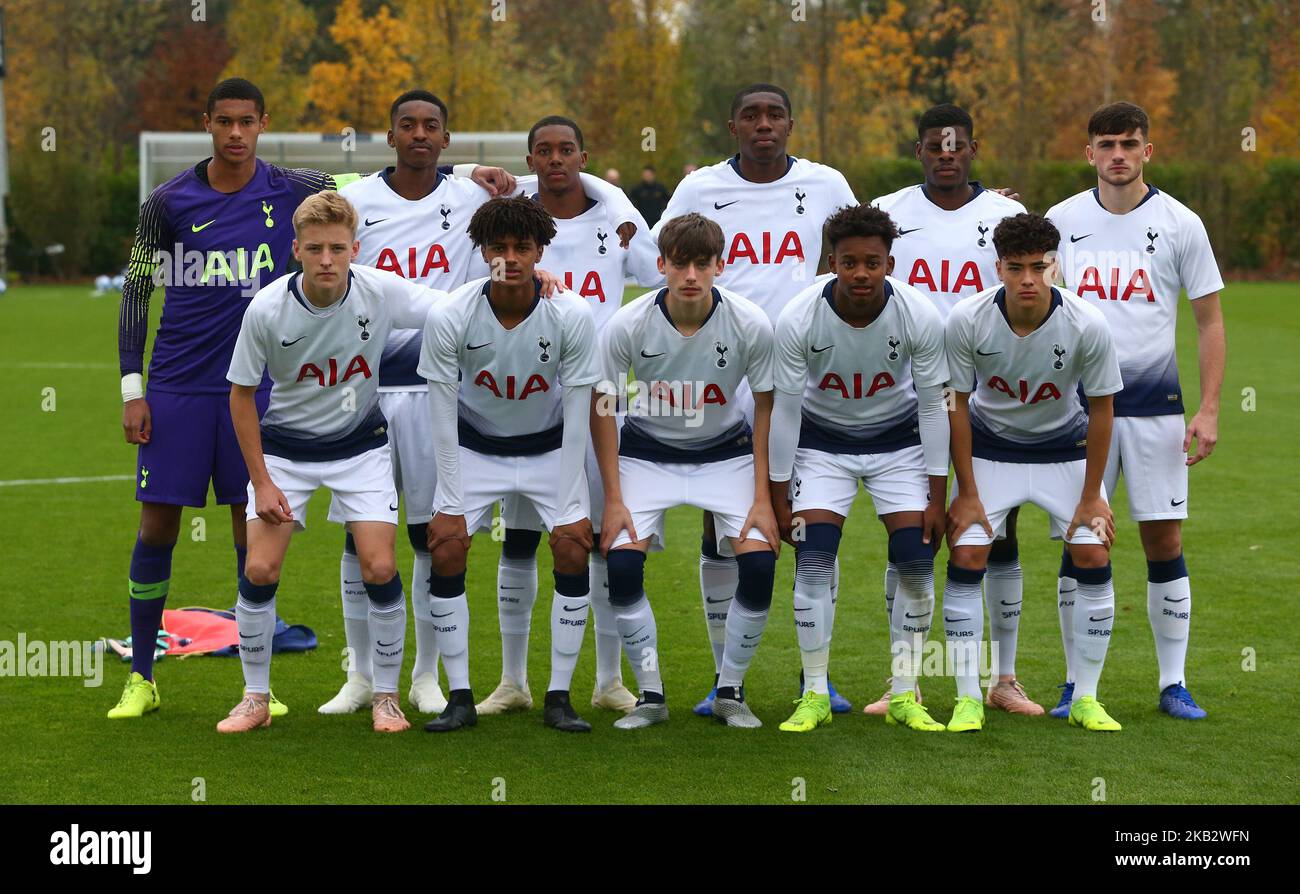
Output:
x=163 y=155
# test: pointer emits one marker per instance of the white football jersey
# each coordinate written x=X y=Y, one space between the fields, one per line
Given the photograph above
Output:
x=586 y=253
x=772 y=231
x=947 y=255
x=1133 y=267
x=509 y=378
x=425 y=241
x=685 y=386
x=1024 y=404
x=857 y=383
x=323 y=363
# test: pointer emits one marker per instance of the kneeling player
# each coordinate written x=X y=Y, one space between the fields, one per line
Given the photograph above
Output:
x=1017 y=354
x=686 y=441
x=320 y=334
x=507 y=430
x=848 y=351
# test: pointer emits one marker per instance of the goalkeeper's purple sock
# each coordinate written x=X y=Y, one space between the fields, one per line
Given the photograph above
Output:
x=151 y=571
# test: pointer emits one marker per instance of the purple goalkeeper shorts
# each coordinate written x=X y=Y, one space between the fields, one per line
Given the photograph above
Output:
x=193 y=442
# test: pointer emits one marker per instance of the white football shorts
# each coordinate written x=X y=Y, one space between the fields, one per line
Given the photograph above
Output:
x=1148 y=452
x=361 y=487
x=724 y=488
x=896 y=480
x=532 y=480
x=1052 y=487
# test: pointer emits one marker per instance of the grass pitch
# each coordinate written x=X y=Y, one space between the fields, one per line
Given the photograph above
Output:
x=66 y=549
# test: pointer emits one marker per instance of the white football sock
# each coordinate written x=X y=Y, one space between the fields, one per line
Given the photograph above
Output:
x=450 y=618
x=718 y=581
x=356 y=613
x=963 y=626
x=640 y=636
x=388 y=640
x=609 y=647
x=1067 y=589
x=516 y=593
x=256 y=623
x=909 y=624
x=426 y=641
x=568 y=624
x=1094 y=617
x=891 y=589
x=1004 y=594
x=812 y=605
x=1169 y=609
x=829 y=615
x=744 y=633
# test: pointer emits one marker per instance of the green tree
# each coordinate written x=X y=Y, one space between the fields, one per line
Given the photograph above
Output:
x=269 y=45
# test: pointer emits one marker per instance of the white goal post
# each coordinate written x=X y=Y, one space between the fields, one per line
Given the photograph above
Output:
x=164 y=154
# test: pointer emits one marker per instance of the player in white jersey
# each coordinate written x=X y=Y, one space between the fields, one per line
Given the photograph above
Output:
x=1129 y=249
x=320 y=335
x=771 y=207
x=510 y=400
x=945 y=249
x=586 y=254
x=686 y=440
x=414 y=222
x=862 y=356
x=1017 y=354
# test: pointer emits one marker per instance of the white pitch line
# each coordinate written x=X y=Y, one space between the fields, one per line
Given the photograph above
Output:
x=21 y=481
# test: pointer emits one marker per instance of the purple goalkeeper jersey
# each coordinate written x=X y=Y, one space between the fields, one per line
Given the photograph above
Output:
x=211 y=251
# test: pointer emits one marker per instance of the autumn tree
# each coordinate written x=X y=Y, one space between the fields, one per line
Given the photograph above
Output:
x=269 y=45
x=634 y=106
x=187 y=62
x=474 y=60
x=358 y=91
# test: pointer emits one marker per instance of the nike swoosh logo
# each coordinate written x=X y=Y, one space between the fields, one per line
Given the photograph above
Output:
x=716 y=601
x=392 y=508
x=806 y=608
x=719 y=207
x=924 y=614
x=573 y=608
x=199 y=229
x=755 y=636
x=385 y=645
x=352 y=582
x=249 y=636
x=285 y=344
x=651 y=356
x=1077 y=238
x=635 y=632
x=470 y=347
x=1107 y=618
x=1071 y=590
x=1004 y=602
x=986 y=353
x=444 y=615
x=1184 y=599
x=913 y=230
x=512 y=588
x=948 y=620
x=371 y=223
x=1177 y=502
x=817 y=350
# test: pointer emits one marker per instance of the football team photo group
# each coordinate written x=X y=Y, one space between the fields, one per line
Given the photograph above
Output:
x=452 y=342
x=649 y=404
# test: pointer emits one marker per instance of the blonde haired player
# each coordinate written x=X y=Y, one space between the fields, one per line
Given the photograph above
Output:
x=320 y=334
